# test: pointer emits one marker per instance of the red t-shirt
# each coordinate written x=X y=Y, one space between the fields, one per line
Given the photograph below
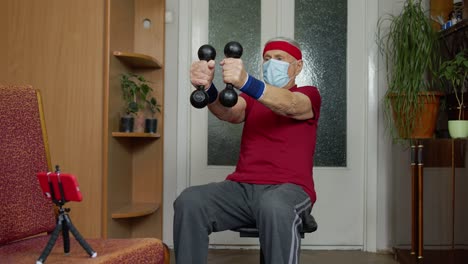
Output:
x=276 y=149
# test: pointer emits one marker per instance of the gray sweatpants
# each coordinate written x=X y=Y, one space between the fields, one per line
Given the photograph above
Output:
x=276 y=210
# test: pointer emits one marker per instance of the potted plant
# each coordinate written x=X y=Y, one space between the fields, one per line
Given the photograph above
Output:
x=455 y=72
x=135 y=89
x=151 y=123
x=408 y=44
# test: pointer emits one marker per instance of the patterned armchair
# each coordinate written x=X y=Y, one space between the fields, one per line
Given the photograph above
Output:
x=26 y=217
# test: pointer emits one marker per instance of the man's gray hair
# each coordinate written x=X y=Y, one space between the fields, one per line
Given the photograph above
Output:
x=289 y=40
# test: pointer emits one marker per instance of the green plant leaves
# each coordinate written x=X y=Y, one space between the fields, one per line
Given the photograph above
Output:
x=136 y=93
x=409 y=46
x=132 y=108
x=455 y=71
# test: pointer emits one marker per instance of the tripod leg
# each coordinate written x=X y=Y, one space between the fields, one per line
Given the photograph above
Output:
x=53 y=238
x=66 y=237
x=79 y=238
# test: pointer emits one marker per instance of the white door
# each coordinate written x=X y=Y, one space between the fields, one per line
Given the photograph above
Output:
x=340 y=208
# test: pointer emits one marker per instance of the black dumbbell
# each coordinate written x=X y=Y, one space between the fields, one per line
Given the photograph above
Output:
x=199 y=98
x=228 y=97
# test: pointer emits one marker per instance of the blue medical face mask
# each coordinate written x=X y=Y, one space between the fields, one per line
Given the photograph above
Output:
x=275 y=72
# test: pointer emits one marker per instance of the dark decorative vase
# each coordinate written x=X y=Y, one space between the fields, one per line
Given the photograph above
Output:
x=126 y=124
x=151 y=125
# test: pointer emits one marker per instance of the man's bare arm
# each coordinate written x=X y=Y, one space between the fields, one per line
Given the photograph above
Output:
x=284 y=102
x=235 y=114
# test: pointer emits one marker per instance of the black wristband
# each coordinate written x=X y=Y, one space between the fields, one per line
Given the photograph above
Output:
x=212 y=93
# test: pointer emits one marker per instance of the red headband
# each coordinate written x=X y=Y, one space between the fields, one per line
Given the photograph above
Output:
x=284 y=46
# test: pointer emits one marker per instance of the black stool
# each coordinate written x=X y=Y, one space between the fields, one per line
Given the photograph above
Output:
x=308 y=226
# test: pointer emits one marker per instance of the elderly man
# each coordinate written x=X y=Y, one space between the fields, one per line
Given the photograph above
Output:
x=272 y=186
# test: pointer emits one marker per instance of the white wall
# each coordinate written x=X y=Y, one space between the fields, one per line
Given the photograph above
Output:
x=170 y=119
x=386 y=183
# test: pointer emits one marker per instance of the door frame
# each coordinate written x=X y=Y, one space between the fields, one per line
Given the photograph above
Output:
x=371 y=168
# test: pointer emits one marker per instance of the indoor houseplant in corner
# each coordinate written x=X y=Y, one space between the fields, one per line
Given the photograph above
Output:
x=151 y=123
x=135 y=89
x=408 y=44
x=455 y=71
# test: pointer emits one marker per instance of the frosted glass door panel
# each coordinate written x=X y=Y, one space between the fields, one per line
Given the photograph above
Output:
x=232 y=21
x=320 y=28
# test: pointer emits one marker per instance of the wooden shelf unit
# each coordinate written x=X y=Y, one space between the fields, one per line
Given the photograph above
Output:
x=133 y=168
x=418 y=253
x=135 y=210
x=136 y=135
x=137 y=60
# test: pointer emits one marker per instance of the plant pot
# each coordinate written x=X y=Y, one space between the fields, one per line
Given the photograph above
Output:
x=424 y=120
x=458 y=128
x=126 y=124
x=151 y=125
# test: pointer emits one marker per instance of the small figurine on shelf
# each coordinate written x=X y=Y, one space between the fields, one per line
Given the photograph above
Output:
x=135 y=89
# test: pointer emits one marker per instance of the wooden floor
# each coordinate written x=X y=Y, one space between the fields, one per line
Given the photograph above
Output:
x=230 y=256
x=433 y=257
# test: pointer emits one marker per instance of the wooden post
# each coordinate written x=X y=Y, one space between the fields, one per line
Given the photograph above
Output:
x=413 y=201
x=420 y=200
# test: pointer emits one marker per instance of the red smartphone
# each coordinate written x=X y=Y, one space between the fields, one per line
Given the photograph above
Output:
x=70 y=186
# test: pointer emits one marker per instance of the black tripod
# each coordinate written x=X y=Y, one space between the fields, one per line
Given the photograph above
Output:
x=65 y=225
